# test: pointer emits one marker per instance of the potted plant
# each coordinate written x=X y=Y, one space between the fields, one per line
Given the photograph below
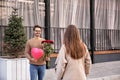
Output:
x=12 y=67
x=14 y=37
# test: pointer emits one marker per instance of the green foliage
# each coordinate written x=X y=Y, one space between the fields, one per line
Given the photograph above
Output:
x=14 y=37
x=48 y=49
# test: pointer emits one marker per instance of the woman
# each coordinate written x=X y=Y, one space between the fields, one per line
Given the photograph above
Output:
x=73 y=61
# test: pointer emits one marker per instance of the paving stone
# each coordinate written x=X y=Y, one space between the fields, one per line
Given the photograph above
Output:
x=99 y=71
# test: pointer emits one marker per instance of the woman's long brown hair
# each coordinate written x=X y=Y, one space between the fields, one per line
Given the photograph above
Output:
x=74 y=45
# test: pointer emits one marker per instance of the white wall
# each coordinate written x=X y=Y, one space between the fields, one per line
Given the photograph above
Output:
x=14 y=69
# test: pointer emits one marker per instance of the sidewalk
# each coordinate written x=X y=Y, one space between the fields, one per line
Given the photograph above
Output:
x=99 y=71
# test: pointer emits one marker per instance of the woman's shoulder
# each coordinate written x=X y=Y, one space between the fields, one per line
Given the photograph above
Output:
x=63 y=46
x=62 y=49
x=84 y=44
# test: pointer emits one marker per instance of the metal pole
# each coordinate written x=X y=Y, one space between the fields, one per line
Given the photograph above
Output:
x=47 y=19
x=47 y=23
x=92 y=29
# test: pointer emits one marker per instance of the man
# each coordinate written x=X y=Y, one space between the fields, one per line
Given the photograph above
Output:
x=37 y=67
